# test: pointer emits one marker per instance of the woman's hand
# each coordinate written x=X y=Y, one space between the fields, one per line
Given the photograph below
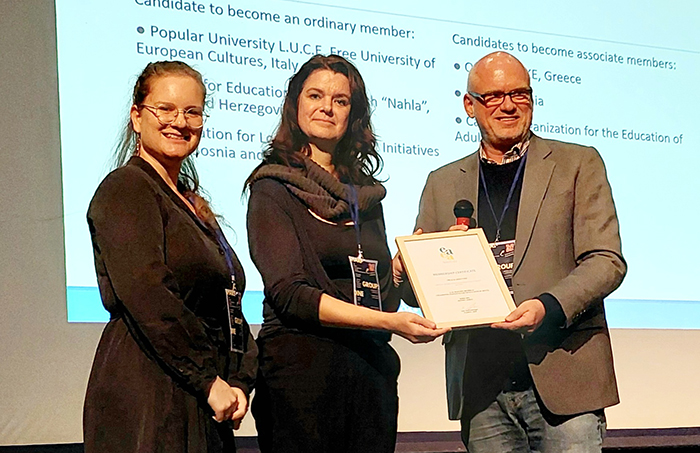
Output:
x=398 y=269
x=414 y=328
x=334 y=312
x=228 y=403
x=242 y=408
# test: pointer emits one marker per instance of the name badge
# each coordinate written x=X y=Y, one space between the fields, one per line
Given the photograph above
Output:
x=235 y=318
x=504 y=252
x=365 y=283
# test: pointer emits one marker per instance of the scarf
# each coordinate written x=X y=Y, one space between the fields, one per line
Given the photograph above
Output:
x=320 y=191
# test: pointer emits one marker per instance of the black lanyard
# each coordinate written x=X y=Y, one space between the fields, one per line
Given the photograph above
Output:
x=499 y=221
x=355 y=216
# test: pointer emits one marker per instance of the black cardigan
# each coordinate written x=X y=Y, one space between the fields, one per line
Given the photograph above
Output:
x=300 y=258
x=161 y=271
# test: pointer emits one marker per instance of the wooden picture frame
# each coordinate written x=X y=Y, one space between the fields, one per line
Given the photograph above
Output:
x=455 y=277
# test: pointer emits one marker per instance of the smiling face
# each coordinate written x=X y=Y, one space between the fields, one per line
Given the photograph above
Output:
x=507 y=124
x=168 y=144
x=324 y=108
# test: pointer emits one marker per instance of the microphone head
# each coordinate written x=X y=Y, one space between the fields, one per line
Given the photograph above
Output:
x=463 y=208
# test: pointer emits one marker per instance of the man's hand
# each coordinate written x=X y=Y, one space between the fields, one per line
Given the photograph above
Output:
x=458 y=228
x=525 y=318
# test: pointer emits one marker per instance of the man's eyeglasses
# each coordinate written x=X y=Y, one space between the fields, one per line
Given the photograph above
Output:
x=495 y=99
x=167 y=113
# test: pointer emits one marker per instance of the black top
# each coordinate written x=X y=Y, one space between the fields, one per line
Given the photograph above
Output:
x=162 y=276
x=301 y=257
x=499 y=179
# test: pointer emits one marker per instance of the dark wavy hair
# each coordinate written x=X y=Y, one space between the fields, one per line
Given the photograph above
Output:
x=188 y=180
x=355 y=158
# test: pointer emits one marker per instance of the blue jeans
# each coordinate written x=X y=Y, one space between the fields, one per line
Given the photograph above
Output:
x=515 y=423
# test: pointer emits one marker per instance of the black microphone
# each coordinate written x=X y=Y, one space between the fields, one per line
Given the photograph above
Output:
x=463 y=211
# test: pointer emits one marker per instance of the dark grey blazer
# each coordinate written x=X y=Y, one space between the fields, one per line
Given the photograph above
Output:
x=568 y=245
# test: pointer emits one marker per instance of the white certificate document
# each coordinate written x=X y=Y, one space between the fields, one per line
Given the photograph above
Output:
x=455 y=277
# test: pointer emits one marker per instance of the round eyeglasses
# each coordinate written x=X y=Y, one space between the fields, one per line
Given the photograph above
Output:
x=166 y=114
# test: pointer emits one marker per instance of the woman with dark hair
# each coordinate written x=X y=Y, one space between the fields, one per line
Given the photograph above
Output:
x=176 y=361
x=327 y=380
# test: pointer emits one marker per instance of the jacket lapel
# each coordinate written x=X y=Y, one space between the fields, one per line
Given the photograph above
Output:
x=468 y=191
x=464 y=187
x=538 y=174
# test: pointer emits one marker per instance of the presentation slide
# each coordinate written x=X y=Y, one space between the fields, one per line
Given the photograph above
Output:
x=603 y=82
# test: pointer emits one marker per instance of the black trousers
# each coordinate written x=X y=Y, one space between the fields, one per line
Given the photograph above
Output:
x=316 y=394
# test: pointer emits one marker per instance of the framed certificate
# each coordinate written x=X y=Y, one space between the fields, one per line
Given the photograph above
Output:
x=455 y=278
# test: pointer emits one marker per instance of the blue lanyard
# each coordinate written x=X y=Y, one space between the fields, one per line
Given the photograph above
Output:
x=499 y=221
x=228 y=253
x=355 y=216
x=220 y=240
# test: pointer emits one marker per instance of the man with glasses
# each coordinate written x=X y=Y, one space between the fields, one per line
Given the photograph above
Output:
x=537 y=382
